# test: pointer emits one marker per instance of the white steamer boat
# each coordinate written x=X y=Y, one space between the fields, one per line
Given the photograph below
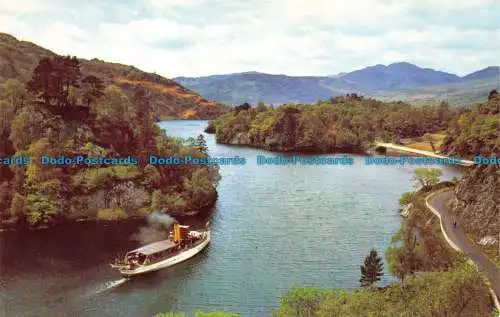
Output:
x=181 y=245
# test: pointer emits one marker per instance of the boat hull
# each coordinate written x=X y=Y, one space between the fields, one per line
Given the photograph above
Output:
x=181 y=257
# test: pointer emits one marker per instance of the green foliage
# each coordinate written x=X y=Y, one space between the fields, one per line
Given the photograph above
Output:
x=94 y=150
x=147 y=132
x=151 y=176
x=18 y=207
x=457 y=292
x=493 y=94
x=170 y=315
x=216 y=314
x=426 y=177
x=115 y=105
x=261 y=125
x=475 y=131
x=357 y=303
x=372 y=269
x=199 y=189
x=7 y=113
x=26 y=128
x=53 y=78
x=171 y=203
x=35 y=173
x=300 y=302
x=14 y=92
x=406 y=198
x=200 y=314
x=143 y=211
x=198 y=143
x=403 y=259
x=92 y=87
x=70 y=111
x=419 y=245
x=111 y=214
x=201 y=144
x=349 y=124
x=42 y=208
x=92 y=178
x=428 y=138
x=156 y=200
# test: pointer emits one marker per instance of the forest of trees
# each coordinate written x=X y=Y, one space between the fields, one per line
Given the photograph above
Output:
x=59 y=113
x=476 y=130
x=352 y=124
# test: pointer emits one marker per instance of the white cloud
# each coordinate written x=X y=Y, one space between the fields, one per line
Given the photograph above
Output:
x=297 y=37
x=26 y=6
x=146 y=31
x=162 y=4
x=13 y=25
x=65 y=38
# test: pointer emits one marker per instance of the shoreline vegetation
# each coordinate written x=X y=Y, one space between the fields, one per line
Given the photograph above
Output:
x=353 y=124
x=71 y=107
x=60 y=111
x=421 y=259
x=342 y=124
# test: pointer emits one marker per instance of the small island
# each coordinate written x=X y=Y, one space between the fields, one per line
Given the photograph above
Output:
x=65 y=111
x=353 y=124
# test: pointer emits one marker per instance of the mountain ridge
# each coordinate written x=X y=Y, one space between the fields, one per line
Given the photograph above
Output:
x=169 y=99
x=375 y=80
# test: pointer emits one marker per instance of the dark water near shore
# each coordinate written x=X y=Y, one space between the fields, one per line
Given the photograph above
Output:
x=274 y=227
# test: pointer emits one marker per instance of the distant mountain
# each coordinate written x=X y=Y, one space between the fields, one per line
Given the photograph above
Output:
x=397 y=76
x=488 y=72
x=395 y=80
x=463 y=93
x=337 y=75
x=254 y=87
x=18 y=59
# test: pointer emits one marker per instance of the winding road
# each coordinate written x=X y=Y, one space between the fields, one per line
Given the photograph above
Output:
x=457 y=239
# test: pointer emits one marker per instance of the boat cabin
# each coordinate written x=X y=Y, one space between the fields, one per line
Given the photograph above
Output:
x=164 y=253
x=180 y=238
x=150 y=252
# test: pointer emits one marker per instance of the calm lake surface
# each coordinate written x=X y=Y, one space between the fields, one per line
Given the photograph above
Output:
x=274 y=227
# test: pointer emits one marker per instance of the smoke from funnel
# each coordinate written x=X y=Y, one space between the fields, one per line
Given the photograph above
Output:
x=161 y=220
x=158 y=229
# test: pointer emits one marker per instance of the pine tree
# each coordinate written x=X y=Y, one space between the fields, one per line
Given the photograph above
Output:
x=93 y=89
x=372 y=269
x=53 y=79
x=202 y=144
x=41 y=84
x=493 y=94
x=147 y=135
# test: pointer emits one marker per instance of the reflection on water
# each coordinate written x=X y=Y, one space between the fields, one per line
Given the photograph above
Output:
x=273 y=227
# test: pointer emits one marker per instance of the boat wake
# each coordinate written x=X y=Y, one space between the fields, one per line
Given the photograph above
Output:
x=108 y=285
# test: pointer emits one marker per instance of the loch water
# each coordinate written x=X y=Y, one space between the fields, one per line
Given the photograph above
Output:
x=274 y=227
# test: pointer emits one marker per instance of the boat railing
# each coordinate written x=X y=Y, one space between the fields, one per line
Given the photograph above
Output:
x=122 y=263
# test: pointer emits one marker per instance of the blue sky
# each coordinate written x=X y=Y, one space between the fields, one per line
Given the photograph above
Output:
x=294 y=37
